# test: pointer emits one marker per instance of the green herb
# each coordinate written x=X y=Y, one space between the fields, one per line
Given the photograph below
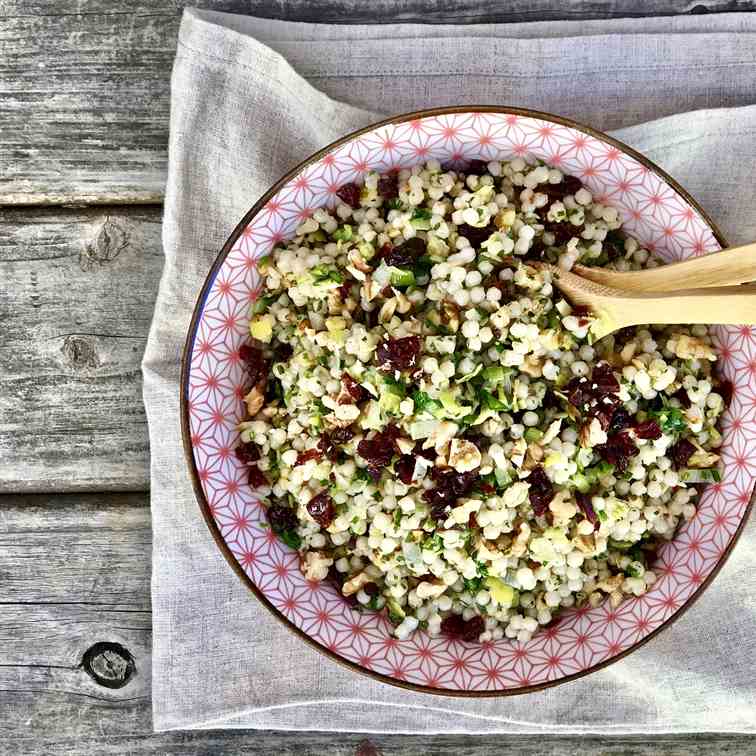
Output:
x=323 y=273
x=602 y=515
x=671 y=420
x=620 y=545
x=343 y=233
x=394 y=204
x=473 y=585
x=395 y=387
x=433 y=543
x=290 y=538
x=397 y=517
x=489 y=401
x=261 y=304
x=401 y=278
x=422 y=213
x=374 y=602
x=424 y=403
x=363 y=474
x=422 y=267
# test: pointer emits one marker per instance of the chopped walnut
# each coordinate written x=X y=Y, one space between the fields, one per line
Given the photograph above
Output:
x=430 y=590
x=610 y=584
x=256 y=397
x=355 y=583
x=520 y=545
x=691 y=347
x=562 y=508
x=702 y=459
x=315 y=565
x=464 y=455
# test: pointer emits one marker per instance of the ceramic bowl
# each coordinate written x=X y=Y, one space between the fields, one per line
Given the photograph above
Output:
x=654 y=209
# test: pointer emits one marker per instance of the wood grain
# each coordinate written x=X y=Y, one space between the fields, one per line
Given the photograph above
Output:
x=84 y=84
x=74 y=571
x=77 y=298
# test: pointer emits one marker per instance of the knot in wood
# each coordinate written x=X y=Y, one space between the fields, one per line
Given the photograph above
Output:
x=111 y=239
x=109 y=664
x=80 y=352
x=367 y=748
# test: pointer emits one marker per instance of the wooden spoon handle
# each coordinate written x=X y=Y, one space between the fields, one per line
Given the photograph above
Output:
x=731 y=305
x=736 y=265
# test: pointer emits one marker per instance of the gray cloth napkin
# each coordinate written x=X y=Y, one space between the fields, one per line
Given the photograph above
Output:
x=251 y=98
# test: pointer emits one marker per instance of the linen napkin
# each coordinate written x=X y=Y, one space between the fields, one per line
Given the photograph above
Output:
x=250 y=98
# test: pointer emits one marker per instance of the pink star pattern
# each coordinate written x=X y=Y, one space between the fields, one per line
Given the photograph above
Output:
x=655 y=214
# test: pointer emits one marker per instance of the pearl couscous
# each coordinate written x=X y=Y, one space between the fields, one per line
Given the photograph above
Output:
x=433 y=427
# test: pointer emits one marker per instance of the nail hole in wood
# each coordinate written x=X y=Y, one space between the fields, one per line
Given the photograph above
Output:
x=109 y=664
x=367 y=748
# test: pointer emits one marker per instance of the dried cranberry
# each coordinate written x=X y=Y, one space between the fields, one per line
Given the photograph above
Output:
x=622 y=336
x=581 y=311
x=603 y=410
x=617 y=451
x=562 y=231
x=256 y=478
x=338 y=579
x=604 y=380
x=345 y=290
x=342 y=435
x=682 y=396
x=247 y=453
x=404 y=467
x=327 y=447
x=473 y=628
x=477 y=167
x=681 y=452
x=453 y=625
x=349 y=194
x=354 y=389
x=374 y=472
x=379 y=450
x=450 y=485
x=283 y=352
x=405 y=255
x=321 y=509
x=429 y=454
x=648 y=429
x=371 y=589
x=724 y=388
x=551 y=400
x=579 y=392
x=620 y=420
x=388 y=186
x=586 y=507
x=541 y=490
x=568 y=185
x=306 y=456
x=398 y=354
x=281 y=518
x=536 y=251
x=254 y=361
x=476 y=236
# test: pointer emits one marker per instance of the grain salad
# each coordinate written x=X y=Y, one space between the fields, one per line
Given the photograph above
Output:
x=435 y=429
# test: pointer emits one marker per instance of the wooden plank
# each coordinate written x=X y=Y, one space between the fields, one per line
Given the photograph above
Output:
x=84 y=86
x=74 y=571
x=78 y=293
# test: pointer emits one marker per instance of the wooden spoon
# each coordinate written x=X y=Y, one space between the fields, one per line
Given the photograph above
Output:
x=616 y=308
x=731 y=266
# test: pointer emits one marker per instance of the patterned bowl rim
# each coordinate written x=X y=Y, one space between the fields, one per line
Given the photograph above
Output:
x=186 y=370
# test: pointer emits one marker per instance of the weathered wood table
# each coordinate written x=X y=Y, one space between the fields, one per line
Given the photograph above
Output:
x=83 y=134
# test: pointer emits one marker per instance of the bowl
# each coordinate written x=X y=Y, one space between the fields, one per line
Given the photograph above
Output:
x=654 y=209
